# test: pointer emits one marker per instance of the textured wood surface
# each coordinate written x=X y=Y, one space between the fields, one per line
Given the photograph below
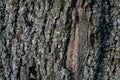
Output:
x=59 y=40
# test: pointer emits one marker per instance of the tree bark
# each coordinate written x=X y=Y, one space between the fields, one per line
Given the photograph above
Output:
x=59 y=40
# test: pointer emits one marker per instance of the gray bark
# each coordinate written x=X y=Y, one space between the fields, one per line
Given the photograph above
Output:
x=59 y=40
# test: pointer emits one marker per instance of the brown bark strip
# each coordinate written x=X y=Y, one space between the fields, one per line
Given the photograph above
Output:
x=72 y=53
x=75 y=51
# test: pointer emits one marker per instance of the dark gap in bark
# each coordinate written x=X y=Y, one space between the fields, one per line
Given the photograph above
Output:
x=92 y=39
x=33 y=72
x=19 y=70
x=49 y=48
x=73 y=3
x=92 y=2
x=44 y=22
x=62 y=4
x=56 y=54
x=28 y=23
x=66 y=46
x=50 y=4
x=26 y=18
x=105 y=32
x=18 y=74
x=45 y=65
x=45 y=19
x=114 y=70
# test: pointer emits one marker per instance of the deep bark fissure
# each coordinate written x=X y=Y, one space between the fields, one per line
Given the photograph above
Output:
x=105 y=32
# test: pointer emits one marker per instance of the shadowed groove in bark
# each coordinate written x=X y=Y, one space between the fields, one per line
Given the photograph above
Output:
x=104 y=32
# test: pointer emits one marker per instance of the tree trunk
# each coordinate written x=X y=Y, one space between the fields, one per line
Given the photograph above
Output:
x=59 y=40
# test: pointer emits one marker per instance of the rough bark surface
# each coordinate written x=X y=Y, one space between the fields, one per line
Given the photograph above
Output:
x=59 y=39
